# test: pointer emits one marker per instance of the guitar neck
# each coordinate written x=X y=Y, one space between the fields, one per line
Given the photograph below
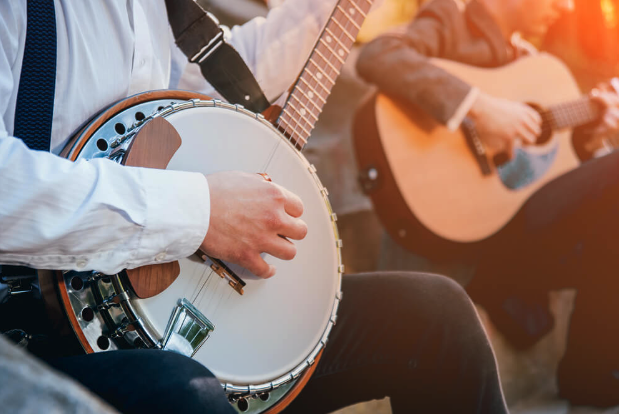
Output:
x=572 y=114
x=313 y=86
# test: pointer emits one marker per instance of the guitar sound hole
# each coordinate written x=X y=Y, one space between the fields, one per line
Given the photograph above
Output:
x=120 y=128
x=103 y=342
x=88 y=314
x=243 y=405
x=139 y=116
x=77 y=283
x=264 y=396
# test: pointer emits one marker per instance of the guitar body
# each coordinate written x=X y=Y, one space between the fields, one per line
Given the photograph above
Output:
x=423 y=173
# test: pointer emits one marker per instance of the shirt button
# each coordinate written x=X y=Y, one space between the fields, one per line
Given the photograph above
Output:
x=81 y=264
x=160 y=257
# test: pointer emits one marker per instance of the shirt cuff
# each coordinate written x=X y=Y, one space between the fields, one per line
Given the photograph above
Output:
x=177 y=216
x=467 y=103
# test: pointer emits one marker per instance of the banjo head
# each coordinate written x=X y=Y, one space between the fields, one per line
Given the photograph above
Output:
x=260 y=340
x=275 y=324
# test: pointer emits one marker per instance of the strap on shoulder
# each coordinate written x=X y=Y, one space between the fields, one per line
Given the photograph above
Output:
x=199 y=36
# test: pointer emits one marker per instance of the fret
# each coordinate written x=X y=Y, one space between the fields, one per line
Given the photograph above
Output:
x=573 y=114
x=294 y=138
x=303 y=111
x=337 y=39
x=309 y=97
x=305 y=107
x=348 y=17
x=285 y=129
x=321 y=72
x=354 y=4
x=332 y=51
x=327 y=61
x=344 y=31
x=298 y=124
x=314 y=90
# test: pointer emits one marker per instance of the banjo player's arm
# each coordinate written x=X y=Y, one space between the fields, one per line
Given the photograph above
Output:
x=56 y=214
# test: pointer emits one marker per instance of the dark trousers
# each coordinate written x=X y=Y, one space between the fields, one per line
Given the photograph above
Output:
x=413 y=337
x=565 y=236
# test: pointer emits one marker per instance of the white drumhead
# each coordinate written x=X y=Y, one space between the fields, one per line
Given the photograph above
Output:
x=276 y=324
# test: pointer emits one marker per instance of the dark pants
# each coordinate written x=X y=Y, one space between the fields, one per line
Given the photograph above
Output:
x=410 y=336
x=565 y=236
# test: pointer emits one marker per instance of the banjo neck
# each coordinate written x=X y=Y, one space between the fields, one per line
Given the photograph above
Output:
x=309 y=93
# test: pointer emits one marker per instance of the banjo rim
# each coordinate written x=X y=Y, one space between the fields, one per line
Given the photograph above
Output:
x=73 y=149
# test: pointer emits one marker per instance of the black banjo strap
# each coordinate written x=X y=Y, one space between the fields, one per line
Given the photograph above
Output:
x=199 y=36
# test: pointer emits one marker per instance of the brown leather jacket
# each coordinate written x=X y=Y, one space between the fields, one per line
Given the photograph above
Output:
x=398 y=62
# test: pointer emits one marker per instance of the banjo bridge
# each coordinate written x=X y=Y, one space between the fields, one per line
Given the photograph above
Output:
x=224 y=272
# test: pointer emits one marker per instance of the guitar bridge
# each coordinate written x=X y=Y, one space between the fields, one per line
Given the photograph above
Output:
x=476 y=146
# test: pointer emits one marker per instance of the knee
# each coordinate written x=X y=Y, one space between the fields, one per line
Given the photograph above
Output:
x=193 y=386
x=441 y=299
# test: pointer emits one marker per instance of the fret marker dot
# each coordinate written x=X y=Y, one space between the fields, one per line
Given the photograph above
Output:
x=352 y=11
x=319 y=75
x=340 y=52
x=303 y=111
x=329 y=39
x=310 y=95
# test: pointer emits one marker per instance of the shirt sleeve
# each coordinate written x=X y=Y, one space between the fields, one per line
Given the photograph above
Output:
x=274 y=48
x=87 y=215
x=399 y=64
x=95 y=215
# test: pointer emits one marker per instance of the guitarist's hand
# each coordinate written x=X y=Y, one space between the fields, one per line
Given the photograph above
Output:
x=609 y=100
x=250 y=216
x=501 y=123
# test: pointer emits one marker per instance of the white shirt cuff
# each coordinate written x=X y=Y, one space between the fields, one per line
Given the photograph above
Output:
x=177 y=216
x=464 y=108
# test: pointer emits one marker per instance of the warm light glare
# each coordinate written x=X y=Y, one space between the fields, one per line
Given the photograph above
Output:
x=610 y=13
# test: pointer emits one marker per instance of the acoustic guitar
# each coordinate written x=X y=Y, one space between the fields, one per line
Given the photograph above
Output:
x=419 y=173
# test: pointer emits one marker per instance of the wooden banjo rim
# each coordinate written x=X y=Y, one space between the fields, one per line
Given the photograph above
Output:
x=73 y=148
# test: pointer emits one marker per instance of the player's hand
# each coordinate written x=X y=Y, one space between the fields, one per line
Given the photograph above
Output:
x=609 y=101
x=501 y=123
x=250 y=216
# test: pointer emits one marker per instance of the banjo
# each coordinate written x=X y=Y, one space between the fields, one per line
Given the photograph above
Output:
x=261 y=338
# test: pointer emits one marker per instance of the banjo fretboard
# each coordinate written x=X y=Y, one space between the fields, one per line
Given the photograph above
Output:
x=310 y=92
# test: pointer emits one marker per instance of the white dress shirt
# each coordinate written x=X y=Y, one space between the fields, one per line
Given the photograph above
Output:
x=56 y=214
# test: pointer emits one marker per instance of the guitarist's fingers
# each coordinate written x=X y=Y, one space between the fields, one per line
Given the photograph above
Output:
x=529 y=133
x=534 y=117
x=611 y=122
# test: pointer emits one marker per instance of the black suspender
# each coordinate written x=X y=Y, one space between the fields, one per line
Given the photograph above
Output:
x=196 y=33
x=34 y=110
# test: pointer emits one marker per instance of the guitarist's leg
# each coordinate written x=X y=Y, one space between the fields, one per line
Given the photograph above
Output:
x=563 y=237
x=411 y=336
